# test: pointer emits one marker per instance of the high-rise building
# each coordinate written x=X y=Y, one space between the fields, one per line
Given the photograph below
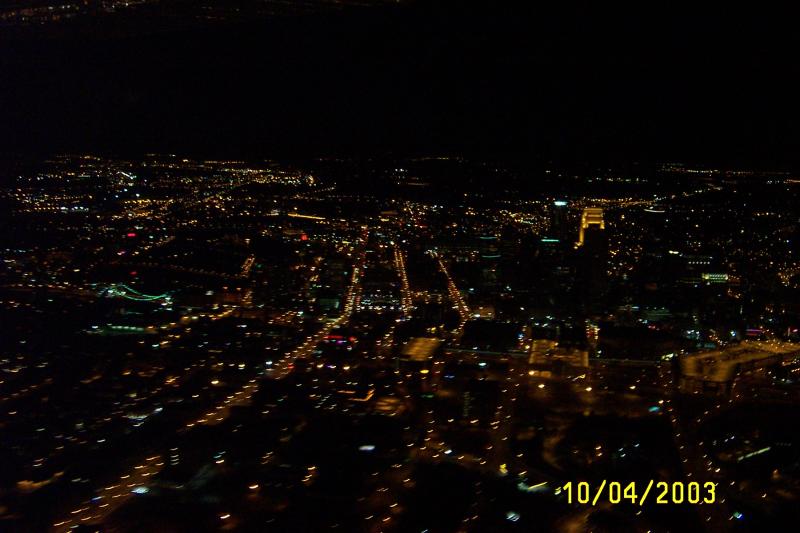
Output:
x=592 y=256
x=489 y=249
x=558 y=219
x=592 y=218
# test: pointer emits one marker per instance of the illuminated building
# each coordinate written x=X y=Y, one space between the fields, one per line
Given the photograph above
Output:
x=548 y=351
x=592 y=256
x=713 y=277
x=592 y=217
x=715 y=371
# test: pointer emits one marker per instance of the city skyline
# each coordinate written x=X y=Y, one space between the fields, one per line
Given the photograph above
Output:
x=398 y=267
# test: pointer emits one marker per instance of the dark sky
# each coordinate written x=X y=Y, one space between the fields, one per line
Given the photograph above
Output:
x=656 y=80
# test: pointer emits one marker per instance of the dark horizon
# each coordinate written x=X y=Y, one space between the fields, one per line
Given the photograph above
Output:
x=579 y=83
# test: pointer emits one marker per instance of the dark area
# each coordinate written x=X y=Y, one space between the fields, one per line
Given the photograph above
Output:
x=571 y=81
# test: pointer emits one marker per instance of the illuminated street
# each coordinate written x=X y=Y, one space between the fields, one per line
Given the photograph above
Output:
x=398 y=266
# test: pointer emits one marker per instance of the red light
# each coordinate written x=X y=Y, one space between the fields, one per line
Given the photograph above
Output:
x=133 y=272
x=131 y=234
x=303 y=237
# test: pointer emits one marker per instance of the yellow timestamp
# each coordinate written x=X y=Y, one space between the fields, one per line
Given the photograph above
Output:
x=661 y=492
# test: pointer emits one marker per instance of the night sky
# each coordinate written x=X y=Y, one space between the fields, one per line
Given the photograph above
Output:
x=659 y=81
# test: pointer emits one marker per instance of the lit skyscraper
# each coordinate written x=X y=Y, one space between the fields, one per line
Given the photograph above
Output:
x=592 y=248
x=592 y=217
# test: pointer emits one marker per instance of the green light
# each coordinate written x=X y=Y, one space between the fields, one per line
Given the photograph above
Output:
x=121 y=289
